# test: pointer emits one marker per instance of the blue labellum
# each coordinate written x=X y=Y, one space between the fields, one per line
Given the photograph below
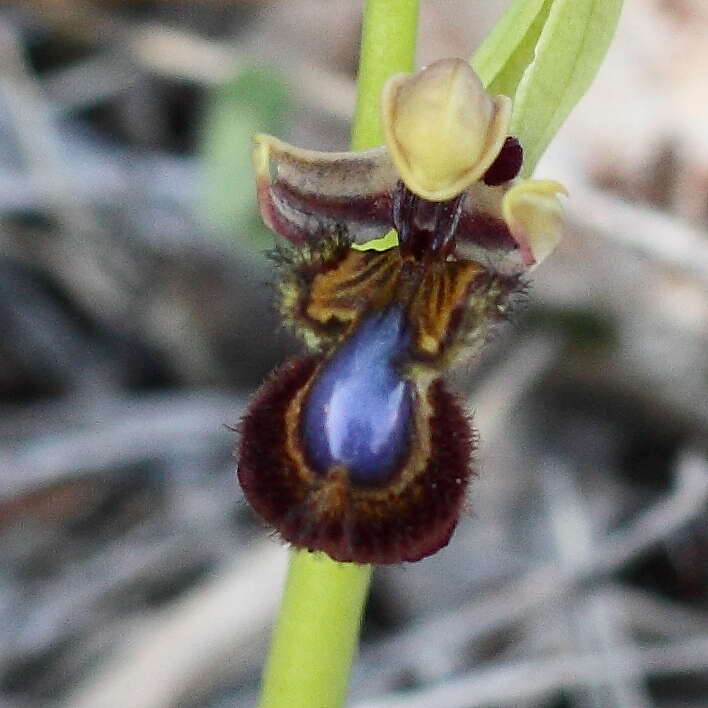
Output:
x=358 y=411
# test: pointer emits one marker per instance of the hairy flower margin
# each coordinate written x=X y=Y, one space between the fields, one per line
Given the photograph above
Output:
x=359 y=450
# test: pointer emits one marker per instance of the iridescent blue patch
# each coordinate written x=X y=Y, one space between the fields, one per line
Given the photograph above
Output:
x=358 y=413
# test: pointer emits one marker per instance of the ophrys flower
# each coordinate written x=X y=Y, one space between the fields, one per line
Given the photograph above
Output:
x=359 y=450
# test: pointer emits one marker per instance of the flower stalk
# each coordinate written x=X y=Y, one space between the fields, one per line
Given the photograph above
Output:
x=317 y=632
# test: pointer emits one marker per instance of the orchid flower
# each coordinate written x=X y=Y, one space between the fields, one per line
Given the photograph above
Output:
x=359 y=450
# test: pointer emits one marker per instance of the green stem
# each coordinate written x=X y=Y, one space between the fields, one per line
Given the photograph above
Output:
x=317 y=631
x=388 y=39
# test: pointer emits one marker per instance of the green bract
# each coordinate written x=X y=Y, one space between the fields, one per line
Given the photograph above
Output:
x=544 y=55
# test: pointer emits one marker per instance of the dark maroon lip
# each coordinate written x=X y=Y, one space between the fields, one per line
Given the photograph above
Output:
x=384 y=525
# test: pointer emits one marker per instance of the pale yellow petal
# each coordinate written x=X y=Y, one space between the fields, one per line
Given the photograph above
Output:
x=533 y=213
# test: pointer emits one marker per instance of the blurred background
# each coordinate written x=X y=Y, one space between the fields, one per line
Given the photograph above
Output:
x=136 y=319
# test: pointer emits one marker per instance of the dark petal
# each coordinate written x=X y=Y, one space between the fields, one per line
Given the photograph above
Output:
x=483 y=235
x=305 y=195
x=507 y=164
x=303 y=217
x=357 y=414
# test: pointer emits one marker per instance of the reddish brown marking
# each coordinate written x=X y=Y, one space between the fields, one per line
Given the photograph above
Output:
x=485 y=231
x=369 y=208
x=272 y=217
x=439 y=302
x=334 y=295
